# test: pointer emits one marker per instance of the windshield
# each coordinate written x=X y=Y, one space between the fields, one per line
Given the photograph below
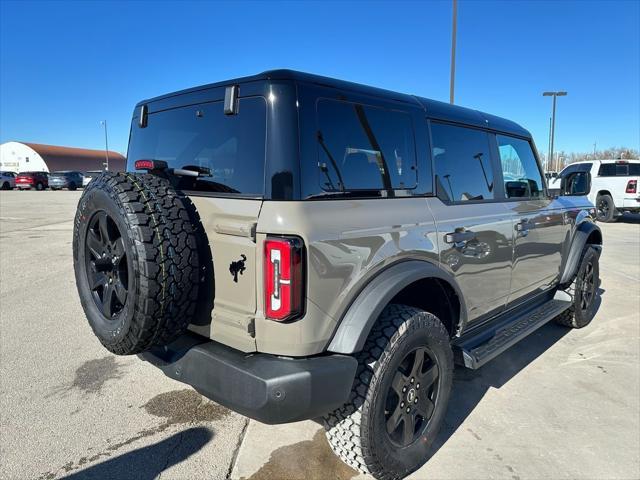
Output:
x=228 y=150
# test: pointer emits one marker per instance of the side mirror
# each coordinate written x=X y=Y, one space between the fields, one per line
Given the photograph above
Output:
x=576 y=184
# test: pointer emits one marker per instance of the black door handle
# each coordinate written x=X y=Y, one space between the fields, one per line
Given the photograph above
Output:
x=459 y=237
x=524 y=226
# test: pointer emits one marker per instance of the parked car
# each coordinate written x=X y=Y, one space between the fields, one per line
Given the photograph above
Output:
x=29 y=180
x=611 y=185
x=7 y=180
x=366 y=243
x=65 y=179
x=90 y=175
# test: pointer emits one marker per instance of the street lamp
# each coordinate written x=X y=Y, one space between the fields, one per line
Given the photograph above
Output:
x=106 y=145
x=553 y=119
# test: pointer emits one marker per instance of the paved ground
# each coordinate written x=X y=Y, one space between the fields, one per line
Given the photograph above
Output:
x=561 y=404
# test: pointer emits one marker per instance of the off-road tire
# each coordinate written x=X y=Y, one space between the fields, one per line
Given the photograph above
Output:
x=163 y=240
x=609 y=214
x=357 y=431
x=575 y=316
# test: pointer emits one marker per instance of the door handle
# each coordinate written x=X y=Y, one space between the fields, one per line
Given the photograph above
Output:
x=459 y=238
x=523 y=227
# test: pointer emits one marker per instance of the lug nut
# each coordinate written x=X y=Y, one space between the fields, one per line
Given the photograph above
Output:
x=417 y=385
x=404 y=389
x=402 y=405
x=412 y=380
x=408 y=409
x=415 y=401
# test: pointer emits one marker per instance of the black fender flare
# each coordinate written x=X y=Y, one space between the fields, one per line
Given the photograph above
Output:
x=582 y=233
x=361 y=315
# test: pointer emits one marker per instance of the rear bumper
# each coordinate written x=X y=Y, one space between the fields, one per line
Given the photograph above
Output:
x=631 y=204
x=260 y=386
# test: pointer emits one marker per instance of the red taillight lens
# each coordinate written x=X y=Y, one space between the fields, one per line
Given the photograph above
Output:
x=632 y=186
x=143 y=165
x=283 y=278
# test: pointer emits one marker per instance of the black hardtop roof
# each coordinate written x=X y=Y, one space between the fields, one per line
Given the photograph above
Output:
x=435 y=109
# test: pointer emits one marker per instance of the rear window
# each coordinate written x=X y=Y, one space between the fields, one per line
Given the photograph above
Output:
x=364 y=148
x=619 y=169
x=228 y=150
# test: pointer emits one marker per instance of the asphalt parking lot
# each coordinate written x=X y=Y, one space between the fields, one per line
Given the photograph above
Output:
x=561 y=404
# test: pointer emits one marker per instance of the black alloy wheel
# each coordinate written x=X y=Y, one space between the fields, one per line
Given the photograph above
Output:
x=106 y=265
x=587 y=287
x=603 y=208
x=412 y=397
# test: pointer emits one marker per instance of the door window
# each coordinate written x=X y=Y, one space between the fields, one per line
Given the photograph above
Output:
x=520 y=172
x=462 y=162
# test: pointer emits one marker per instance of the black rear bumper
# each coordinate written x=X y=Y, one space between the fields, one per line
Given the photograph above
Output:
x=264 y=387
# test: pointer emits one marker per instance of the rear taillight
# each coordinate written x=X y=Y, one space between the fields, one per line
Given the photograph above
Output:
x=632 y=186
x=283 y=278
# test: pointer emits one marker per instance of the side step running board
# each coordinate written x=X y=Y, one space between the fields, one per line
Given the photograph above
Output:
x=478 y=349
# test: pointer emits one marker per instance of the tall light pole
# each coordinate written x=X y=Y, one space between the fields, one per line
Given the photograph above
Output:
x=553 y=118
x=106 y=145
x=454 y=29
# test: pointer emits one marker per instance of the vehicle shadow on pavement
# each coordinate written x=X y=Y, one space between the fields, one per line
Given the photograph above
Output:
x=629 y=218
x=149 y=462
x=470 y=386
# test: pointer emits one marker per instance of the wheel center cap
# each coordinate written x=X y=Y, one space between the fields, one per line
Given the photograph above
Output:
x=411 y=395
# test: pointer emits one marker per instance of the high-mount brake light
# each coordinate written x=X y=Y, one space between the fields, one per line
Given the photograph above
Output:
x=144 y=164
x=632 y=186
x=150 y=165
x=283 y=278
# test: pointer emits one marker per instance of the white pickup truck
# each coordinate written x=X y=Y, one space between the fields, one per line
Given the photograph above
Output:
x=611 y=185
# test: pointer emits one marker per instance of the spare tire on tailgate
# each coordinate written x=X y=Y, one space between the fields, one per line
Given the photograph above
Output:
x=139 y=253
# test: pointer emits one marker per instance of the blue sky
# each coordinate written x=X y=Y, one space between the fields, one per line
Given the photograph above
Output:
x=66 y=66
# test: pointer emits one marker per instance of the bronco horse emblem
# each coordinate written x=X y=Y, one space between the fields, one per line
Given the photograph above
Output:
x=238 y=267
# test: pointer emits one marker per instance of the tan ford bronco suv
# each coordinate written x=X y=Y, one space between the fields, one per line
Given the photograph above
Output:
x=306 y=248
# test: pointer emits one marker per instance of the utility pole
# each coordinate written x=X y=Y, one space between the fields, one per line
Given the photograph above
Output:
x=553 y=117
x=549 y=166
x=106 y=145
x=453 y=50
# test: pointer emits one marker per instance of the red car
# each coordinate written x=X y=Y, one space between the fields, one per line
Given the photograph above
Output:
x=28 y=180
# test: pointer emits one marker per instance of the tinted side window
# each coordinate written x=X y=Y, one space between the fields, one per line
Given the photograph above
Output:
x=462 y=162
x=228 y=150
x=520 y=170
x=607 y=170
x=364 y=148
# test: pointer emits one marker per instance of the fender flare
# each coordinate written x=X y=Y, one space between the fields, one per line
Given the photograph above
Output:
x=580 y=237
x=361 y=315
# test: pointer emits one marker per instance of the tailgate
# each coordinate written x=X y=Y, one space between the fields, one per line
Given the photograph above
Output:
x=230 y=225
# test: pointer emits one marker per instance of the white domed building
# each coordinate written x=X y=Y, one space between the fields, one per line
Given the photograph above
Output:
x=34 y=157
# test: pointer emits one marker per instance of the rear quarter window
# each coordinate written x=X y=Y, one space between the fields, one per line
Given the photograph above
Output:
x=229 y=150
x=364 y=148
